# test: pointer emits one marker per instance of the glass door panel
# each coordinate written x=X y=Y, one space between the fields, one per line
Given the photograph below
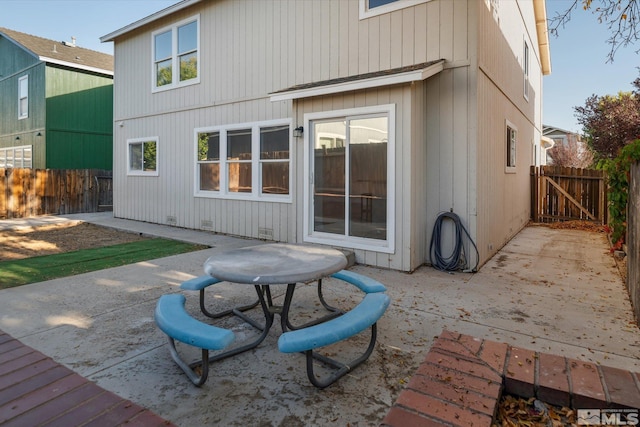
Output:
x=368 y=139
x=329 y=177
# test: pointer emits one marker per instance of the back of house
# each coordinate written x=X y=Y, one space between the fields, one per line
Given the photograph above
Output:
x=348 y=123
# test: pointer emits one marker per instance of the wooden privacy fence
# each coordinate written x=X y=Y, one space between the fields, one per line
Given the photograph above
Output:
x=564 y=194
x=32 y=192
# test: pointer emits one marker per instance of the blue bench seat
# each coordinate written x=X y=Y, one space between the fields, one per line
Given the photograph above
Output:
x=201 y=283
x=364 y=315
x=198 y=283
x=364 y=283
x=173 y=319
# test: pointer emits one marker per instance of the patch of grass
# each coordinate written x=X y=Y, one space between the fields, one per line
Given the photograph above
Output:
x=42 y=268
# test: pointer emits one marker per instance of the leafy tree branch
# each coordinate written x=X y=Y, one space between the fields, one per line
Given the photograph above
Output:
x=620 y=16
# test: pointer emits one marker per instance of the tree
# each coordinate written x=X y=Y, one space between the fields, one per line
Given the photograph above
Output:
x=572 y=154
x=610 y=122
x=620 y=16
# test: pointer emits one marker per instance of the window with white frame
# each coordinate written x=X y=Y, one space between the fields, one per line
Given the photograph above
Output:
x=23 y=97
x=17 y=157
x=511 y=139
x=369 y=8
x=349 y=186
x=176 y=55
x=142 y=156
x=247 y=161
x=525 y=69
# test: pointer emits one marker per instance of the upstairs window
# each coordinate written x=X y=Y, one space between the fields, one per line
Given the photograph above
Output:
x=23 y=97
x=525 y=69
x=142 y=156
x=176 y=55
x=511 y=139
x=369 y=8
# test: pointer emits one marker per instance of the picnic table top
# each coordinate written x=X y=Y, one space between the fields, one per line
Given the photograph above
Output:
x=277 y=263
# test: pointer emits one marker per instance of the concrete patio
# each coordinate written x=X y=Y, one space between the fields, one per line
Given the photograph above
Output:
x=553 y=291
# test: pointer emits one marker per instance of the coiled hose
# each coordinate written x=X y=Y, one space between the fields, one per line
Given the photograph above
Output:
x=458 y=256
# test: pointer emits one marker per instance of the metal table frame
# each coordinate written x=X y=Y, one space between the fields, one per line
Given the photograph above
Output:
x=287 y=272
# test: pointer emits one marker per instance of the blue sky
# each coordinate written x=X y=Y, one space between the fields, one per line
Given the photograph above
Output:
x=578 y=55
x=579 y=66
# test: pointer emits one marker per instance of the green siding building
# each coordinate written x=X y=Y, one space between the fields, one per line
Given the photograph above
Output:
x=56 y=104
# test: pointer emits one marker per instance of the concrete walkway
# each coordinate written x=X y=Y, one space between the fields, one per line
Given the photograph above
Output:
x=553 y=291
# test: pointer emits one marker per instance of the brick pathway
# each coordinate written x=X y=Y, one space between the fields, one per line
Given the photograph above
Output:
x=461 y=380
x=35 y=391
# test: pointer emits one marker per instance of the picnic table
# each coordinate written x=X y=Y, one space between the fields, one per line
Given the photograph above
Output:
x=262 y=267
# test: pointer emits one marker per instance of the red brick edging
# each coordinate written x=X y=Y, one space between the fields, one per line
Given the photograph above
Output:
x=34 y=389
x=462 y=379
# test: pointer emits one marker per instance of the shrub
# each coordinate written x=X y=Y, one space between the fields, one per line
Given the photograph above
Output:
x=617 y=170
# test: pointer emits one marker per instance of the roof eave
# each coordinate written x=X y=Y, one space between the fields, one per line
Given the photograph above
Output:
x=379 y=81
x=149 y=19
x=540 y=12
x=74 y=65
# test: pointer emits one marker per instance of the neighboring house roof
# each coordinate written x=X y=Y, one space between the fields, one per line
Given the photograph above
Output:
x=548 y=130
x=62 y=53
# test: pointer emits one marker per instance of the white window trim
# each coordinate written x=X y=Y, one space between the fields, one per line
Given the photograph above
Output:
x=384 y=246
x=143 y=173
x=365 y=12
x=526 y=59
x=176 y=83
x=22 y=162
x=256 y=177
x=510 y=169
x=23 y=114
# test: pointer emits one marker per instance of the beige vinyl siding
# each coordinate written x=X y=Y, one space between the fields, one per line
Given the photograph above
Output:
x=503 y=199
x=449 y=128
x=170 y=195
x=250 y=49
x=449 y=143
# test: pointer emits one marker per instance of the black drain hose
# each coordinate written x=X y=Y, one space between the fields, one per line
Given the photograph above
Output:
x=452 y=262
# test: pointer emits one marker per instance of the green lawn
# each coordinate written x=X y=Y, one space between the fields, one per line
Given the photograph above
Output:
x=39 y=269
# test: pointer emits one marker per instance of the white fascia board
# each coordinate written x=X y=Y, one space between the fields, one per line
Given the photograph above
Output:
x=407 y=77
x=74 y=65
x=144 y=21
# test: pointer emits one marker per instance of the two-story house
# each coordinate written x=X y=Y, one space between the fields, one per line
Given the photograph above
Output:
x=56 y=104
x=349 y=123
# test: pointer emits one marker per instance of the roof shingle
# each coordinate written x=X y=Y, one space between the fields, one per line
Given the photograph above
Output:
x=59 y=51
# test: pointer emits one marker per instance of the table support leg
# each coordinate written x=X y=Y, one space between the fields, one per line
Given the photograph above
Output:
x=341 y=369
x=284 y=318
x=323 y=301
x=268 y=315
x=225 y=312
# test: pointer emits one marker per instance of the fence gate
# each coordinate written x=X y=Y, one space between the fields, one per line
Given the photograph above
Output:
x=564 y=194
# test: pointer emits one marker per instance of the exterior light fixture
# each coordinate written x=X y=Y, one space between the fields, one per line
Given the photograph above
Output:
x=297 y=132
